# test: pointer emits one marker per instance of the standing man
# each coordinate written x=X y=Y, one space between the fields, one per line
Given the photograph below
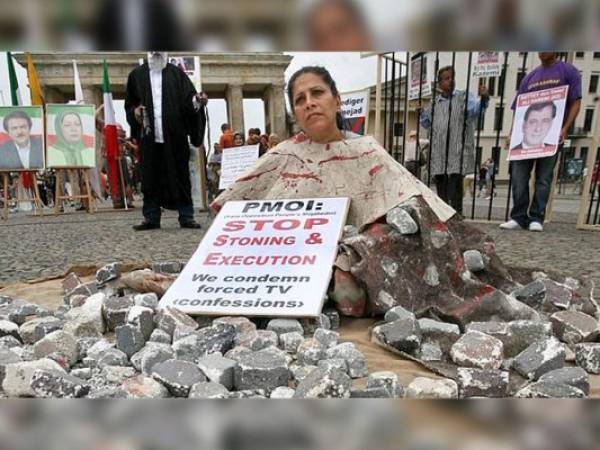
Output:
x=163 y=109
x=446 y=158
x=23 y=151
x=551 y=73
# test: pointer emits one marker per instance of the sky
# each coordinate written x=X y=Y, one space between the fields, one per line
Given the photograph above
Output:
x=349 y=70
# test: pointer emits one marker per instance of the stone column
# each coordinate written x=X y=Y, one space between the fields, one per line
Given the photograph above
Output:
x=277 y=111
x=235 y=108
x=92 y=95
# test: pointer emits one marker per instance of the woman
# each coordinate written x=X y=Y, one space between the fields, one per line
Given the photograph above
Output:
x=238 y=139
x=69 y=150
x=381 y=264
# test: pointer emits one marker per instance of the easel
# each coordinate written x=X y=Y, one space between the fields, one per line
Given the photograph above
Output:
x=59 y=195
x=34 y=189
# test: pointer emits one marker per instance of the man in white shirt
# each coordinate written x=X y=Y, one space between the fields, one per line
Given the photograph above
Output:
x=22 y=152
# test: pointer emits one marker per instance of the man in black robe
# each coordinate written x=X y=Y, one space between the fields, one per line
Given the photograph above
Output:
x=163 y=109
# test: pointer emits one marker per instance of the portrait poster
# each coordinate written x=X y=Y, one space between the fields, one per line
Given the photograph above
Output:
x=420 y=81
x=70 y=136
x=21 y=138
x=355 y=111
x=537 y=124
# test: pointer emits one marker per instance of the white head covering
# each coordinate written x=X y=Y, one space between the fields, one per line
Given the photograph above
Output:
x=157 y=60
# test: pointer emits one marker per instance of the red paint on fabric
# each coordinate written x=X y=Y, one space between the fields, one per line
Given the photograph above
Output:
x=441 y=226
x=338 y=158
x=257 y=175
x=295 y=176
x=375 y=169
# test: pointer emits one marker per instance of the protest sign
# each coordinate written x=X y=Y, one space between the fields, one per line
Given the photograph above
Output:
x=355 y=110
x=537 y=123
x=235 y=162
x=487 y=64
x=22 y=128
x=419 y=81
x=263 y=258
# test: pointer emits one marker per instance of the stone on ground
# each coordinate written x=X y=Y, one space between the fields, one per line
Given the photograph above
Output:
x=429 y=388
x=478 y=350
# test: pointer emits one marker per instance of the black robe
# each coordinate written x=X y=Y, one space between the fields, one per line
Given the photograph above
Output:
x=165 y=174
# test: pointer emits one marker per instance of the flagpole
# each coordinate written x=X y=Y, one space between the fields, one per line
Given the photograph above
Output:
x=123 y=184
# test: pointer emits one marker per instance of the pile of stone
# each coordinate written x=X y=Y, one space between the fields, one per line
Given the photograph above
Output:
x=549 y=356
x=109 y=341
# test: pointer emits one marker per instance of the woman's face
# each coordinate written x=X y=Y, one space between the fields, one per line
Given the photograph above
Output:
x=315 y=107
x=238 y=140
x=71 y=128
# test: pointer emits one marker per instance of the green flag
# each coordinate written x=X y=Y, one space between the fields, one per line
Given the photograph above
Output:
x=15 y=97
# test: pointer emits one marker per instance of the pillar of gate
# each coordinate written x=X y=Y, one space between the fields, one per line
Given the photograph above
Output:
x=235 y=107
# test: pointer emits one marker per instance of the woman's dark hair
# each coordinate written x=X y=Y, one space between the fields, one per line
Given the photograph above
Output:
x=326 y=77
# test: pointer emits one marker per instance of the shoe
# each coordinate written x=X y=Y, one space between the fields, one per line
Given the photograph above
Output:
x=190 y=224
x=536 y=226
x=146 y=226
x=510 y=225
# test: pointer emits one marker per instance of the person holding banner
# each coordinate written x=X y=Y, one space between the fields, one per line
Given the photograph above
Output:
x=537 y=122
x=446 y=157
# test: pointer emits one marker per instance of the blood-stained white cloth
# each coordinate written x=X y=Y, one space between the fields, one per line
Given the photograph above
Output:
x=356 y=168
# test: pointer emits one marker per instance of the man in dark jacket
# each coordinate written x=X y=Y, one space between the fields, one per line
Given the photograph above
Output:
x=163 y=109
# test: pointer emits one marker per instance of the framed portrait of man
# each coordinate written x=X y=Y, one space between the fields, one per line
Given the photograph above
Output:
x=537 y=123
x=21 y=138
x=70 y=136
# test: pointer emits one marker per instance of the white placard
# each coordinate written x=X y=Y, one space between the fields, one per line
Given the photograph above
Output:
x=235 y=162
x=420 y=83
x=537 y=123
x=487 y=64
x=263 y=258
x=355 y=110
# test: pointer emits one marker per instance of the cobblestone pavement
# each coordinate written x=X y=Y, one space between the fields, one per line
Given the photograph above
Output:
x=33 y=247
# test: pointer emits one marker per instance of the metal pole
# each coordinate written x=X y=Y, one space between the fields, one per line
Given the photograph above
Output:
x=437 y=67
x=385 y=97
x=378 y=102
x=405 y=126
x=391 y=116
x=417 y=143
x=464 y=129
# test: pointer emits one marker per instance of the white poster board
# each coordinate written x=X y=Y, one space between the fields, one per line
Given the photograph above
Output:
x=419 y=82
x=487 y=64
x=355 y=110
x=235 y=162
x=263 y=258
x=537 y=123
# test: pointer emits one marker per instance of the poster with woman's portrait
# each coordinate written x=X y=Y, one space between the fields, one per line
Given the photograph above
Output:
x=21 y=138
x=70 y=136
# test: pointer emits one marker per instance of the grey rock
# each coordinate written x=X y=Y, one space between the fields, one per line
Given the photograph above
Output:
x=442 y=333
x=574 y=327
x=107 y=273
x=7 y=357
x=27 y=330
x=525 y=333
x=540 y=357
x=58 y=342
x=430 y=351
x=241 y=324
x=357 y=366
x=208 y=390
x=144 y=387
x=258 y=339
x=546 y=389
x=310 y=352
x=178 y=376
x=17 y=379
x=117 y=374
x=282 y=393
x=152 y=354
x=87 y=320
x=8 y=342
x=327 y=338
x=237 y=352
x=218 y=369
x=183 y=331
x=148 y=300
x=300 y=372
x=112 y=357
x=115 y=310
x=289 y=342
x=482 y=383
x=8 y=328
x=384 y=301
x=167 y=267
x=338 y=363
x=96 y=350
x=398 y=312
x=334 y=317
x=261 y=370
x=130 y=339
x=587 y=356
x=108 y=392
x=498 y=330
x=324 y=383
x=248 y=393
x=377 y=392
x=160 y=336
x=532 y=294
x=45 y=328
x=558 y=296
x=25 y=352
x=47 y=383
x=169 y=318
x=281 y=326
x=474 y=260
x=402 y=334
x=402 y=221
x=572 y=376
x=496 y=306
x=217 y=338
x=429 y=388
x=142 y=318
x=476 y=349
x=386 y=380
x=310 y=325
x=84 y=373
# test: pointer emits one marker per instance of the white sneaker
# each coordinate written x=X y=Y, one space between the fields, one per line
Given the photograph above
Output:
x=510 y=225
x=536 y=226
